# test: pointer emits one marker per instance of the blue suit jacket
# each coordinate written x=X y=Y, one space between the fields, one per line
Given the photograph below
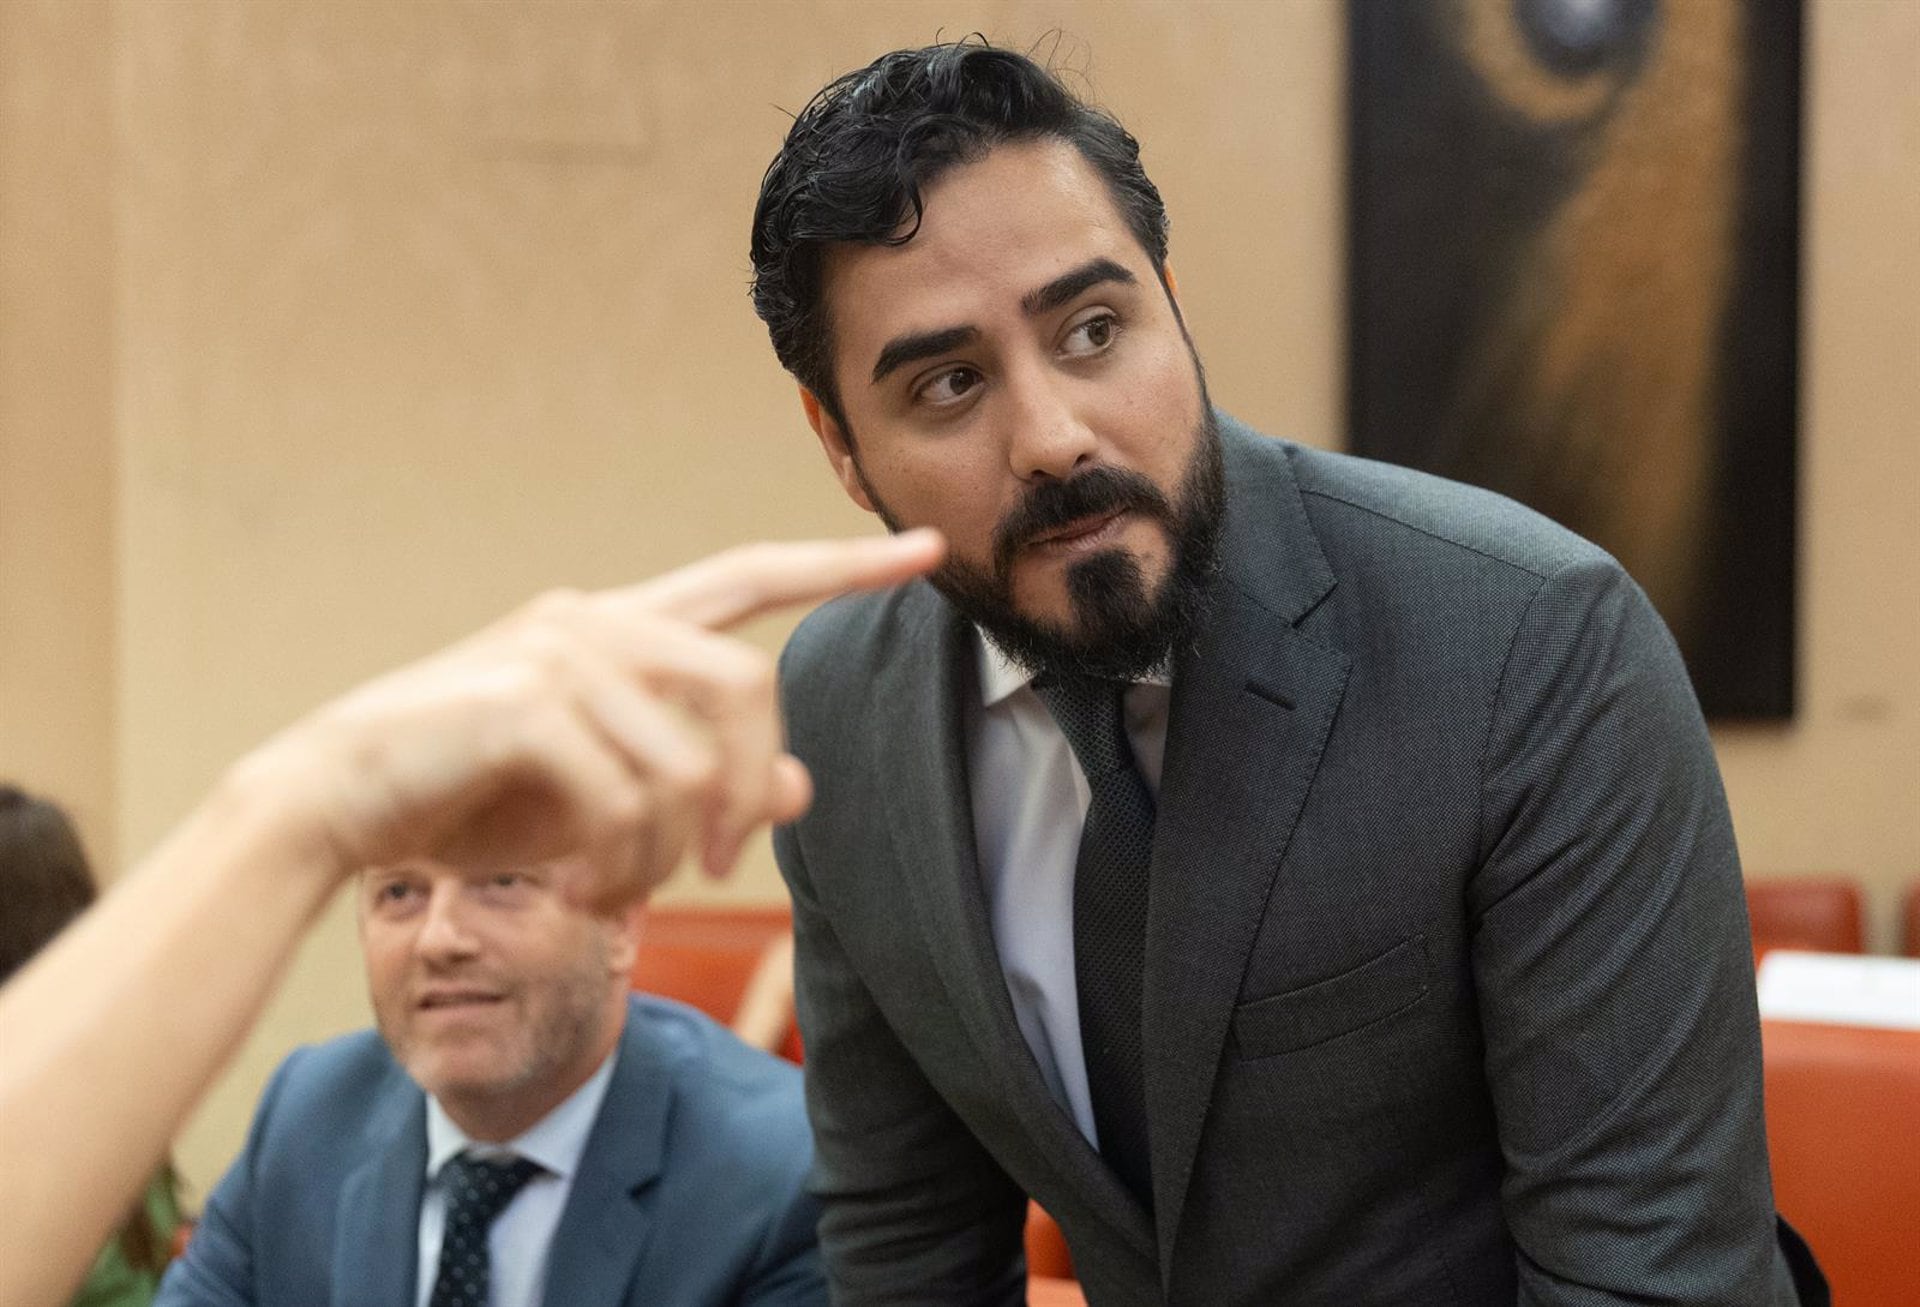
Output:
x=689 y=1191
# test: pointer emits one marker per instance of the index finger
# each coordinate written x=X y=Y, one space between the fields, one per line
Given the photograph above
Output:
x=729 y=587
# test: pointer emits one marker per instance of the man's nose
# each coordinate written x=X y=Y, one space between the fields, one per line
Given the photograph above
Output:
x=1048 y=437
x=444 y=935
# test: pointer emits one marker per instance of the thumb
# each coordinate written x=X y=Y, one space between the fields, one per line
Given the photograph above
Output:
x=792 y=788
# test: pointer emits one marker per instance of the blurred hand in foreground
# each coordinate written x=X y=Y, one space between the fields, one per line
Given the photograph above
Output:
x=616 y=725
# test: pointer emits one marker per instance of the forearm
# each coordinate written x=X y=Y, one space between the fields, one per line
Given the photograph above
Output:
x=947 y=1238
x=112 y=1034
x=913 y=1205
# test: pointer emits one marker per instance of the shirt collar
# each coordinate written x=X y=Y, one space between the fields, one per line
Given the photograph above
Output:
x=555 y=1141
x=1000 y=676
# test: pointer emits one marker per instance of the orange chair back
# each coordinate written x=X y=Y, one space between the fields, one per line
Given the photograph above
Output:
x=1818 y=913
x=704 y=956
x=1843 y=1131
x=1047 y=1291
x=1047 y=1254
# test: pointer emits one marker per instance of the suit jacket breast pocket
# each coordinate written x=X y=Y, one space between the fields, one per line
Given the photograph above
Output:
x=1313 y=1014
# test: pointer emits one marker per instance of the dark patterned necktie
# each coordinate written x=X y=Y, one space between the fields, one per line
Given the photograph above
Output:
x=1110 y=918
x=478 y=1189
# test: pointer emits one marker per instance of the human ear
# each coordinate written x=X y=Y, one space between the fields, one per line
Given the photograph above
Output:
x=839 y=451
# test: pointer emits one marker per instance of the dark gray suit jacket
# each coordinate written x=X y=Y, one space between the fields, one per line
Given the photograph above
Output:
x=689 y=1192
x=1449 y=998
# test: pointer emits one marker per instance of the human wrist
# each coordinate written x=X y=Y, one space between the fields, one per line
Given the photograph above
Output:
x=273 y=808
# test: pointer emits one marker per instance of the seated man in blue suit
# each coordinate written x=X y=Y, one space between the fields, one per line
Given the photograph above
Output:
x=521 y=1130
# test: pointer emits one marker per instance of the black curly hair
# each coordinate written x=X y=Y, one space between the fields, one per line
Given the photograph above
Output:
x=858 y=156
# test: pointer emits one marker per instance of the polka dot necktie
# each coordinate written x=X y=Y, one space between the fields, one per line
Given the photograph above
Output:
x=1110 y=918
x=478 y=1189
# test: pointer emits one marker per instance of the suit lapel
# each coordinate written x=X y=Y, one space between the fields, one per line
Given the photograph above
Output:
x=922 y=763
x=603 y=1232
x=1251 y=710
x=376 y=1251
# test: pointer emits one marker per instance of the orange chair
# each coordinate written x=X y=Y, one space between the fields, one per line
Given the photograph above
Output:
x=1910 y=922
x=1843 y=1131
x=1049 y=1291
x=1047 y=1254
x=1820 y=913
x=705 y=957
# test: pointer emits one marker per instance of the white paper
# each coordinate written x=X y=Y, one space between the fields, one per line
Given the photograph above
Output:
x=1842 y=989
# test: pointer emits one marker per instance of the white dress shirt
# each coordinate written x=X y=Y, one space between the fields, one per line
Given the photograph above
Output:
x=1029 y=802
x=522 y=1235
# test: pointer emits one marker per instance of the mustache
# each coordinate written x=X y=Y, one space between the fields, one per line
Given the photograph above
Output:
x=1053 y=504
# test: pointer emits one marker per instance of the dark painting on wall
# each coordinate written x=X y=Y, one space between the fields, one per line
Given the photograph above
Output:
x=1573 y=269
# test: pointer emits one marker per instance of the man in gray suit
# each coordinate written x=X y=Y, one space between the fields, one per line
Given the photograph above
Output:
x=1309 y=880
x=521 y=1130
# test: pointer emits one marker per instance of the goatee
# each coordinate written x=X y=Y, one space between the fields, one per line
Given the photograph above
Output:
x=1122 y=628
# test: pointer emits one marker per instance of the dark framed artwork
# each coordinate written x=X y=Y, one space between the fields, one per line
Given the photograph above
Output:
x=1573 y=278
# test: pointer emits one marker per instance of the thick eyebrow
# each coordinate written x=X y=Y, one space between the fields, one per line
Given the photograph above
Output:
x=902 y=350
x=913 y=347
x=1063 y=288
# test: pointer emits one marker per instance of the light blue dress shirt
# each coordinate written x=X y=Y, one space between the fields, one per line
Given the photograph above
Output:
x=1029 y=802
x=521 y=1236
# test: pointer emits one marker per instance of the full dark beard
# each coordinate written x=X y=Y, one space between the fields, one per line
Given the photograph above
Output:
x=1121 y=630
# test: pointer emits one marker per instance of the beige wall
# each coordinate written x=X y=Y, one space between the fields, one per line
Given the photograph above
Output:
x=1839 y=788
x=417 y=308
x=57 y=608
